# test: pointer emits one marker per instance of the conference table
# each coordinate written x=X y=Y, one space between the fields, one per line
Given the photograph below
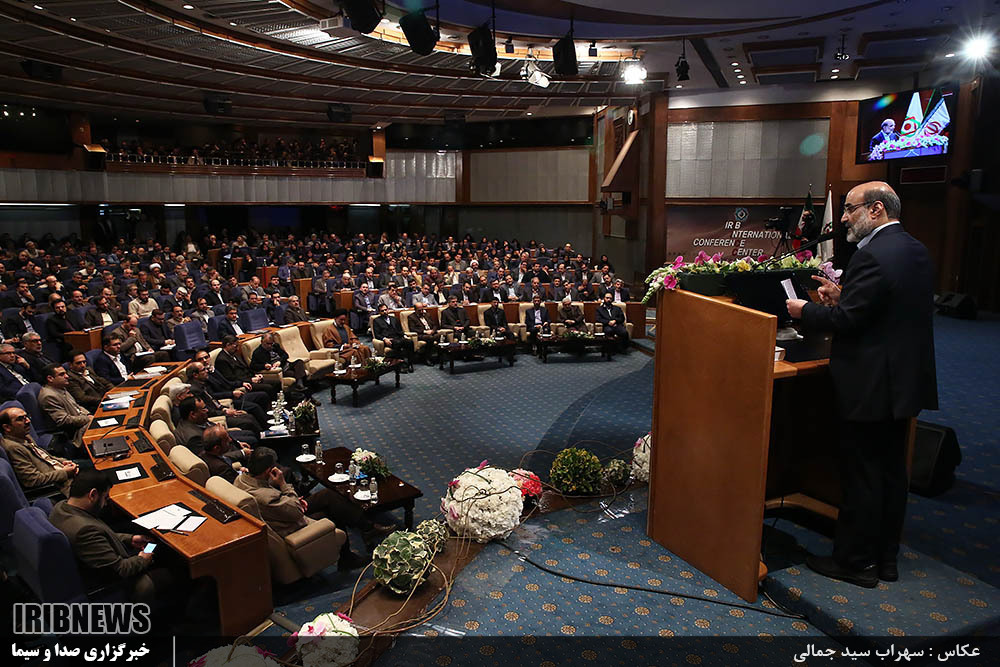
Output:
x=234 y=554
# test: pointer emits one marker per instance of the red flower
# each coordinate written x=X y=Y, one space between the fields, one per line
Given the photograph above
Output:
x=483 y=464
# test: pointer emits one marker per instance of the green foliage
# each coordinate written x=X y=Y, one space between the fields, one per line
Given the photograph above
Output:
x=576 y=472
x=435 y=534
x=401 y=561
x=616 y=472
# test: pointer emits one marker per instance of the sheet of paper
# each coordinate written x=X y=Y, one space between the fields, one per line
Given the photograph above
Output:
x=122 y=394
x=155 y=369
x=168 y=347
x=789 y=289
x=127 y=473
x=165 y=518
x=143 y=354
x=110 y=421
x=191 y=523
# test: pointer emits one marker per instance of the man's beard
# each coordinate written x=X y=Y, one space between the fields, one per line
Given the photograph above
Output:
x=859 y=231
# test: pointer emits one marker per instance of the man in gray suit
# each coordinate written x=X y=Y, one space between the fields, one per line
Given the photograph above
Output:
x=55 y=401
x=105 y=556
x=33 y=466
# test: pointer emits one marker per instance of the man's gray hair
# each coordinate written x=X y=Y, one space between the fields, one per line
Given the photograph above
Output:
x=567 y=299
x=890 y=200
x=31 y=335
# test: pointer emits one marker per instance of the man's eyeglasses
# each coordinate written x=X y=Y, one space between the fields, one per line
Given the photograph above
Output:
x=849 y=208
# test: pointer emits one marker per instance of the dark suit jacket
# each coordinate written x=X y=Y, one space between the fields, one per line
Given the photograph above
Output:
x=362 y=303
x=392 y=330
x=106 y=368
x=453 y=318
x=104 y=554
x=14 y=327
x=262 y=357
x=10 y=385
x=882 y=357
x=529 y=316
x=879 y=138
x=233 y=369
x=214 y=298
x=37 y=364
x=219 y=386
x=155 y=334
x=295 y=315
x=605 y=315
x=219 y=467
x=414 y=324
x=226 y=329
x=574 y=313
x=87 y=394
x=495 y=319
x=92 y=318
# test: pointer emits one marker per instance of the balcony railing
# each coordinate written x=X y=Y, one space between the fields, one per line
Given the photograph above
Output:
x=241 y=162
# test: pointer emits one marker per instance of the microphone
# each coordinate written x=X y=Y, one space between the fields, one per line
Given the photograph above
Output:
x=805 y=246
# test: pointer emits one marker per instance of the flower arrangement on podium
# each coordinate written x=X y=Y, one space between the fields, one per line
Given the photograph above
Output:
x=576 y=472
x=329 y=640
x=235 y=654
x=640 y=457
x=371 y=464
x=483 y=503
x=528 y=482
x=401 y=561
x=306 y=420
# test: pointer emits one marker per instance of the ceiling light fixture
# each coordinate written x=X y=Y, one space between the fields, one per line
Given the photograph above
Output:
x=531 y=73
x=737 y=70
x=835 y=70
x=949 y=55
x=740 y=76
x=592 y=52
x=508 y=46
x=39 y=7
x=681 y=67
x=735 y=64
x=978 y=47
x=528 y=113
x=743 y=83
x=633 y=71
x=842 y=53
x=188 y=6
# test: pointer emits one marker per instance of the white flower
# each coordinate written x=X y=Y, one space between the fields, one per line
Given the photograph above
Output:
x=241 y=656
x=483 y=503
x=640 y=457
x=328 y=641
x=362 y=455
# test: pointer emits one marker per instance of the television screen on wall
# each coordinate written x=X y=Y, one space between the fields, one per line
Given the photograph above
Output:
x=915 y=123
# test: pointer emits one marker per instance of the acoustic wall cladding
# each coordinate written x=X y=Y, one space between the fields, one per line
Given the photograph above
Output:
x=530 y=176
x=410 y=177
x=774 y=158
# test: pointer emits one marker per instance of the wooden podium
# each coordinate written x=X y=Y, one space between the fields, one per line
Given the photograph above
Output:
x=732 y=428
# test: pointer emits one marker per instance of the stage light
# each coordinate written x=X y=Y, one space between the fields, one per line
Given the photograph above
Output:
x=949 y=55
x=508 y=46
x=484 y=50
x=681 y=67
x=633 y=71
x=735 y=64
x=835 y=76
x=842 y=53
x=363 y=14
x=421 y=37
x=564 y=56
x=189 y=7
x=592 y=51
x=835 y=70
x=531 y=73
x=978 y=47
x=743 y=83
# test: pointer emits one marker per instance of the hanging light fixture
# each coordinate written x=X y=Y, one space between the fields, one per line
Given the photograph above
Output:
x=633 y=71
x=842 y=53
x=681 y=67
x=533 y=74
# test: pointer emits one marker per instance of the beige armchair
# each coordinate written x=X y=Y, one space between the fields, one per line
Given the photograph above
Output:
x=303 y=553
x=516 y=328
x=189 y=465
x=162 y=410
x=316 y=361
x=162 y=434
x=247 y=349
x=317 y=329
x=628 y=325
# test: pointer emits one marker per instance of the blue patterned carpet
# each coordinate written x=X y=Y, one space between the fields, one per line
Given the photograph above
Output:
x=437 y=424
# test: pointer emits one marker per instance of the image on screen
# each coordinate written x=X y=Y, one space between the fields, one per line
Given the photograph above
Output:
x=915 y=123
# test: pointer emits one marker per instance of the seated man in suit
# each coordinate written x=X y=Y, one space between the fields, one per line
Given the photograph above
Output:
x=391 y=299
x=571 y=316
x=33 y=466
x=537 y=319
x=340 y=337
x=14 y=372
x=202 y=313
x=143 y=305
x=496 y=320
x=275 y=309
x=231 y=365
x=230 y=326
x=584 y=291
x=104 y=555
x=269 y=356
x=530 y=290
x=218 y=445
x=34 y=356
x=365 y=305
x=135 y=347
x=558 y=289
x=177 y=316
x=491 y=292
x=112 y=365
x=102 y=315
x=189 y=430
x=424 y=296
x=611 y=318
x=154 y=330
x=387 y=329
x=294 y=312
x=285 y=512
x=619 y=293
x=71 y=418
x=249 y=424
x=86 y=386
x=57 y=327
x=421 y=323
x=20 y=324
x=241 y=393
x=253 y=302
x=455 y=318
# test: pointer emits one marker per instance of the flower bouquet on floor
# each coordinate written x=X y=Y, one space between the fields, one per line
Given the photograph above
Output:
x=529 y=483
x=576 y=472
x=306 y=420
x=640 y=457
x=235 y=655
x=330 y=640
x=401 y=561
x=370 y=463
x=483 y=503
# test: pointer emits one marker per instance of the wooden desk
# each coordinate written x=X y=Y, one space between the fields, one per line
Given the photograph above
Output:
x=344 y=299
x=234 y=554
x=84 y=341
x=302 y=287
x=265 y=273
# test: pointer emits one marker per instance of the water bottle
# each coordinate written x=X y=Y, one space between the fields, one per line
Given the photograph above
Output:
x=353 y=473
x=339 y=469
x=318 y=450
x=374 y=490
x=364 y=485
x=305 y=449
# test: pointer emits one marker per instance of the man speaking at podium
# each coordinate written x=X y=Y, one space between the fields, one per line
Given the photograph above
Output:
x=882 y=366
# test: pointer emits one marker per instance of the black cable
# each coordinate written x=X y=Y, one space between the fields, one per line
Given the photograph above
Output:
x=699 y=598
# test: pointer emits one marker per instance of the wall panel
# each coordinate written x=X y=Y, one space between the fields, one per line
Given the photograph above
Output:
x=530 y=175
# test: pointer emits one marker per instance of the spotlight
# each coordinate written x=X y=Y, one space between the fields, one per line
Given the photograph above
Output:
x=633 y=71
x=835 y=70
x=564 y=56
x=949 y=55
x=484 y=50
x=363 y=14
x=592 y=52
x=531 y=73
x=842 y=53
x=508 y=46
x=419 y=33
x=978 y=47
x=681 y=67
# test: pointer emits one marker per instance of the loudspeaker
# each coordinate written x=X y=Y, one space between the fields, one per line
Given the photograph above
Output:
x=484 y=49
x=936 y=454
x=957 y=305
x=218 y=105
x=43 y=71
x=374 y=169
x=564 y=57
x=362 y=13
x=419 y=33
x=338 y=113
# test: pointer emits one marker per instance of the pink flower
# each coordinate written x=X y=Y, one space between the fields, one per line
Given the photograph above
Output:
x=291 y=643
x=483 y=464
x=453 y=512
x=679 y=262
x=717 y=257
x=833 y=275
x=199 y=662
x=804 y=256
x=762 y=257
x=701 y=258
x=669 y=282
x=264 y=653
x=344 y=617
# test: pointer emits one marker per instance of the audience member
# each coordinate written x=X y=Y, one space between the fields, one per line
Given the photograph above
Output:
x=34 y=467
x=85 y=385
